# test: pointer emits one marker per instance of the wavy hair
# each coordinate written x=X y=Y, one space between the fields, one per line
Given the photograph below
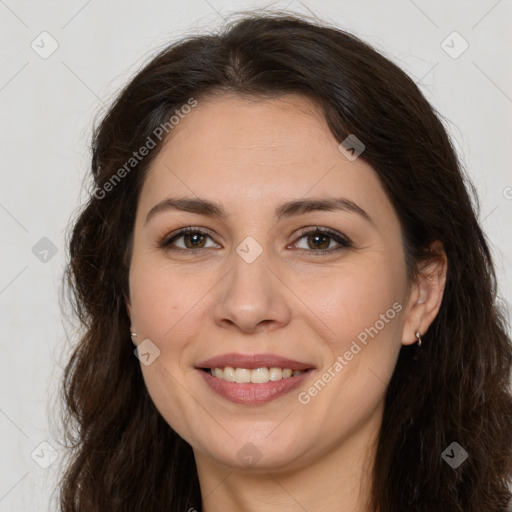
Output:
x=123 y=456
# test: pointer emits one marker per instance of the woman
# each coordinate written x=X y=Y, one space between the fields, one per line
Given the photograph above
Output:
x=281 y=227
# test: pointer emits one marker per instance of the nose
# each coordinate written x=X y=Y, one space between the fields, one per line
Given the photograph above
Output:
x=252 y=298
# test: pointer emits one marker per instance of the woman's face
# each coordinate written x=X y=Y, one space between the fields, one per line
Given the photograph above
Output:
x=294 y=262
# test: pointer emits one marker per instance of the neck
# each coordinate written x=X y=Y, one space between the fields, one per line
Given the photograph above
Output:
x=339 y=480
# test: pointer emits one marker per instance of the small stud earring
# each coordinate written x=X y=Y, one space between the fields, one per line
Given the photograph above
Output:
x=418 y=337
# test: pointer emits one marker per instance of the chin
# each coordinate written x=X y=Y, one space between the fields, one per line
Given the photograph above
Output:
x=255 y=450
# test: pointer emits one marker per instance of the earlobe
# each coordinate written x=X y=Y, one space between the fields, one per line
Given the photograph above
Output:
x=425 y=297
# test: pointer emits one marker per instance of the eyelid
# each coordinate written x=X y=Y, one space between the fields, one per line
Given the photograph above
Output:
x=327 y=231
x=342 y=240
x=165 y=241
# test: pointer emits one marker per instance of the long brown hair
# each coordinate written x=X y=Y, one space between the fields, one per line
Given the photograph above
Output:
x=123 y=454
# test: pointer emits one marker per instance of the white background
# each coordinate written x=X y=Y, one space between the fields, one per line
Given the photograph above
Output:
x=48 y=106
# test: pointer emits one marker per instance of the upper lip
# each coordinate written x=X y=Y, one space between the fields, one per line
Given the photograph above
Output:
x=253 y=361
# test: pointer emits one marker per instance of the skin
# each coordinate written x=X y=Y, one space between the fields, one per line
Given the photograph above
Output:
x=250 y=156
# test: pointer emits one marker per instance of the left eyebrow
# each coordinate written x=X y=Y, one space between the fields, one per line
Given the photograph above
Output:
x=297 y=207
x=327 y=204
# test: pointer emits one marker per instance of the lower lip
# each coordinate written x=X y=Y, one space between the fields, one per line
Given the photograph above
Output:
x=253 y=394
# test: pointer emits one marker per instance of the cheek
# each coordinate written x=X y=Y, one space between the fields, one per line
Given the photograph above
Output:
x=360 y=312
x=160 y=296
x=352 y=301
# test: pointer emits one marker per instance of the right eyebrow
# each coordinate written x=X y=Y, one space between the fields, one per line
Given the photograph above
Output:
x=199 y=206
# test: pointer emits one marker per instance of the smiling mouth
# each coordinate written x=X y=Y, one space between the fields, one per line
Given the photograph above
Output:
x=254 y=376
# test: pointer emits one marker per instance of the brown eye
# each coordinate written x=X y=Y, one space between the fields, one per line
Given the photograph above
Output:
x=322 y=241
x=187 y=239
x=318 y=241
x=194 y=240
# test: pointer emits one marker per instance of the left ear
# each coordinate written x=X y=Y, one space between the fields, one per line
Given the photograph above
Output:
x=426 y=295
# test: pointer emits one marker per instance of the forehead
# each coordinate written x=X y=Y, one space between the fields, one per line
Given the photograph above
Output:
x=249 y=152
x=267 y=127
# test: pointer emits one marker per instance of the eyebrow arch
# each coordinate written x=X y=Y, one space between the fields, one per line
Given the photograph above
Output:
x=297 y=207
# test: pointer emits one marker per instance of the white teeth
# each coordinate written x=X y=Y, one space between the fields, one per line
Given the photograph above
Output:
x=242 y=375
x=255 y=376
x=259 y=375
x=228 y=373
x=275 y=374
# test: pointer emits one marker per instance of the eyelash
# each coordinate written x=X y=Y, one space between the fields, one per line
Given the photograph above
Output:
x=343 y=241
